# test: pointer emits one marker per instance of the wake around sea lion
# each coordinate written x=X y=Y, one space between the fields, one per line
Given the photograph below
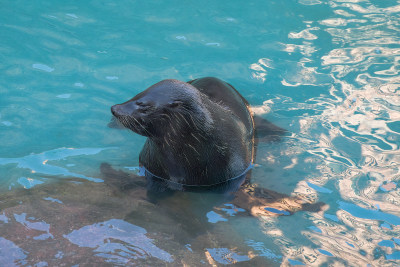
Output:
x=200 y=133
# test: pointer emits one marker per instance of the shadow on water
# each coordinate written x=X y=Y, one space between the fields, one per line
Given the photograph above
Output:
x=120 y=222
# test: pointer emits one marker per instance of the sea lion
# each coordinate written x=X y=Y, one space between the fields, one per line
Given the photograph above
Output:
x=200 y=133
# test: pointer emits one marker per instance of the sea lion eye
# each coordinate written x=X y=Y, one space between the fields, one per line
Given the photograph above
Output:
x=175 y=104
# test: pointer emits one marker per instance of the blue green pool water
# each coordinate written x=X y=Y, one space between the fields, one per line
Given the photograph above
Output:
x=327 y=71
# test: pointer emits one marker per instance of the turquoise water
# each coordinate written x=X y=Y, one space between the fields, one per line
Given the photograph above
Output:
x=328 y=72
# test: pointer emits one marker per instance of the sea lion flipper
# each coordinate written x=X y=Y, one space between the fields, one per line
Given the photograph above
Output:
x=264 y=202
x=266 y=131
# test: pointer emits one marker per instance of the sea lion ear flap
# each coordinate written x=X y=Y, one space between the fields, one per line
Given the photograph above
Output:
x=266 y=131
x=191 y=81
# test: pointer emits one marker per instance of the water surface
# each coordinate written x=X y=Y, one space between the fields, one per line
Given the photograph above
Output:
x=327 y=71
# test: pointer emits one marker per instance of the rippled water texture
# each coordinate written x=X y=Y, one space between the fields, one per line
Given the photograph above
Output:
x=328 y=72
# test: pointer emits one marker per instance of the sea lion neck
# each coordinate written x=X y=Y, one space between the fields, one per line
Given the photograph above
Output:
x=187 y=162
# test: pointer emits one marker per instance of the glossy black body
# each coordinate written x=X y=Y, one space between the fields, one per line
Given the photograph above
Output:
x=199 y=133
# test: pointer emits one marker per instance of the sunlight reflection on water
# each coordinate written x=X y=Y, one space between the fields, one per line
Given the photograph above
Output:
x=38 y=163
x=358 y=146
x=118 y=241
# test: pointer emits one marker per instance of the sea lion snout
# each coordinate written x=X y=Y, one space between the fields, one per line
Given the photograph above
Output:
x=131 y=108
x=134 y=115
x=119 y=110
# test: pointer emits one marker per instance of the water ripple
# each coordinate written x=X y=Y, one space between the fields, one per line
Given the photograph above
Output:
x=118 y=241
x=11 y=254
x=327 y=71
x=356 y=134
x=40 y=163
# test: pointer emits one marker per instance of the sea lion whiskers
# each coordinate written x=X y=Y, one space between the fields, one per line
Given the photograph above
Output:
x=198 y=125
x=173 y=126
x=166 y=139
x=194 y=149
x=144 y=128
x=183 y=118
x=165 y=115
x=197 y=131
x=194 y=136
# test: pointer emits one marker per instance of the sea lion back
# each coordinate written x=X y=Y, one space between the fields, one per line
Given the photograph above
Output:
x=225 y=95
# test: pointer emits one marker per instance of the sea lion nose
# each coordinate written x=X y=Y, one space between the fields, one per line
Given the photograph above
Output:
x=115 y=110
x=136 y=108
x=121 y=110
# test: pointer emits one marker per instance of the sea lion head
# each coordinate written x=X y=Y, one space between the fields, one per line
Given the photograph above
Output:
x=163 y=107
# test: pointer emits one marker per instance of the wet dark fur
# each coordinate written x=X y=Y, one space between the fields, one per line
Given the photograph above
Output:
x=199 y=133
